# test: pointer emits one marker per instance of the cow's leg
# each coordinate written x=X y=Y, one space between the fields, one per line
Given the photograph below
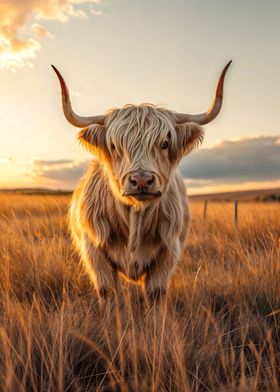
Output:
x=159 y=273
x=100 y=269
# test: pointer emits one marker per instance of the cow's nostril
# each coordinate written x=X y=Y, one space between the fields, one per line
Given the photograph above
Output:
x=141 y=181
x=132 y=181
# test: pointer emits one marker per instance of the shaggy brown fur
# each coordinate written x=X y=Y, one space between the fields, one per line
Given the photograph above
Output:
x=130 y=214
x=116 y=232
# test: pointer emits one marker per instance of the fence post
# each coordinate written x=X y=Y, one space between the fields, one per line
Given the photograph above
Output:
x=236 y=212
x=205 y=210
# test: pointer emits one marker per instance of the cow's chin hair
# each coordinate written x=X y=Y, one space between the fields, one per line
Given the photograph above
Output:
x=141 y=200
x=141 y=203
x=138 y=201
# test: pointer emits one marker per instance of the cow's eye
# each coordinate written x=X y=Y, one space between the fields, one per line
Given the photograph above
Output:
x=164 y=145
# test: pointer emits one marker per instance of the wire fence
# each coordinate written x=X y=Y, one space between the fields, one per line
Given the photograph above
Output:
x=235 y=211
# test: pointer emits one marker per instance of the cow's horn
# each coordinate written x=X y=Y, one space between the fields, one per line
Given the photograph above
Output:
x=214 y=109
x=73 y=118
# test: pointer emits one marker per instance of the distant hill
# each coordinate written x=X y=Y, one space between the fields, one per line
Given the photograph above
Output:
x=36 y=191
x=252 y=195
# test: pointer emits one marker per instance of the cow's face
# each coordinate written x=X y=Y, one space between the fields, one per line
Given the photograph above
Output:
x=139 y=147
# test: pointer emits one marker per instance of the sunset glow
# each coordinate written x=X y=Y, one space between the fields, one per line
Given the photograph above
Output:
x=117 y=52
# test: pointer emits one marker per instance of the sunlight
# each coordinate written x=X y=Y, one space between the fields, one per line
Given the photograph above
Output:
x=12 y=59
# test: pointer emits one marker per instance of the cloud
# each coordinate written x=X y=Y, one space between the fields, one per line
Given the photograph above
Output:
x=87 y=1
x=249 y=159
x=95 y=12
x=18 y=43
x=40 y=31
x=245 y=163
x=62 y=172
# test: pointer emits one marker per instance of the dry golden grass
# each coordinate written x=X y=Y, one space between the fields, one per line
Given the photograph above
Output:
x=219 y=331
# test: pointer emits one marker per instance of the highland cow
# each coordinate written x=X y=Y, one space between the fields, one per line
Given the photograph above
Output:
x=129 y=214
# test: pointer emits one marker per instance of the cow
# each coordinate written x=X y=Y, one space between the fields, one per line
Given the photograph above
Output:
x=129 y=214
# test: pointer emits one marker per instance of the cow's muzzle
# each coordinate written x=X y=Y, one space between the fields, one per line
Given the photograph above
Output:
x=142 y=185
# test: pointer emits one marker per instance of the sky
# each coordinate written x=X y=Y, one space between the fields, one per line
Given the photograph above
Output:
x=114 y=52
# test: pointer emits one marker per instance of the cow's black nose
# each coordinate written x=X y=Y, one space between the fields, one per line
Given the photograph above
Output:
x=141 y=181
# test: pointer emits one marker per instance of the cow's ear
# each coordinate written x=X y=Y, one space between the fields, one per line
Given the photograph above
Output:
x=93 y=138
x=189 y=136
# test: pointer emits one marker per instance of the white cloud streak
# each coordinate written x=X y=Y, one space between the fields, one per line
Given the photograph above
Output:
x=40 y=31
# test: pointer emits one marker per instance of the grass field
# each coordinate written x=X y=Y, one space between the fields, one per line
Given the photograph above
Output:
x=219 y=330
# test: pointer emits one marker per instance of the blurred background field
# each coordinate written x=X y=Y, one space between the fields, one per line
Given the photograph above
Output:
x=218 y=331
